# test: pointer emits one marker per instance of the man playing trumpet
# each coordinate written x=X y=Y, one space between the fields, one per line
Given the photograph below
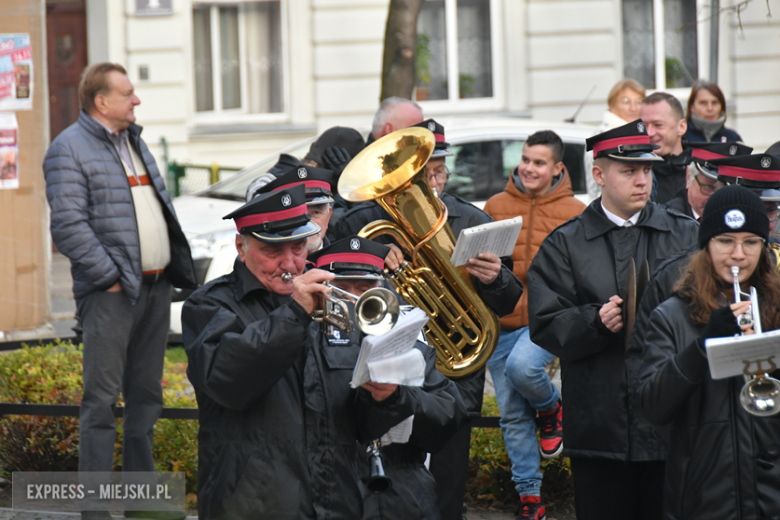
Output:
x=278 y=421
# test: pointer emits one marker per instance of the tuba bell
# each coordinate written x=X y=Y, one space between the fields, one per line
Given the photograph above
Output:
x=390 y=171
x=761 y=394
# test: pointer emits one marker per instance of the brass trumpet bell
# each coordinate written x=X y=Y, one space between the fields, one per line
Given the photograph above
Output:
x=376 y=310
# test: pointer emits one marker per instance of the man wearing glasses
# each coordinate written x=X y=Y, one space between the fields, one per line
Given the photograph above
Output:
x=702 y=177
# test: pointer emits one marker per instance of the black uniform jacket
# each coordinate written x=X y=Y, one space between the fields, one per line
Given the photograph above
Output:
x=680 y=204
x=413 y=492
x=669 y=176
x=723 y=462
x=277 y=426
x=579 y=267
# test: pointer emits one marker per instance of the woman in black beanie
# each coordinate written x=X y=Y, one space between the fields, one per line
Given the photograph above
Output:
x=721 y=461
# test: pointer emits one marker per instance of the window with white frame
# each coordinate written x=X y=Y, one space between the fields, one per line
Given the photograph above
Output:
x=660 y=43
x=238 y=57
x=455 y=51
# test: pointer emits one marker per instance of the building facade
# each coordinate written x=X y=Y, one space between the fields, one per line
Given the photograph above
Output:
x=234 y=81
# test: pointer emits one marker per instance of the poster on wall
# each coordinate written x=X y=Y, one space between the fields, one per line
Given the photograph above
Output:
x=16 y=72
x=9 y=151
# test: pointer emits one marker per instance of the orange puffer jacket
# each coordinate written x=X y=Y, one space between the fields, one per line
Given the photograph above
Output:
x=541 y=214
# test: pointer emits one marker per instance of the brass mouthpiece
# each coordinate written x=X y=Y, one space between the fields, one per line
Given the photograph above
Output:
x=286 y=277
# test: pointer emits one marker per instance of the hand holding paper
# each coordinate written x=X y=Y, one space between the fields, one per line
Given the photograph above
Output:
x=498 y=238
x=391 y=357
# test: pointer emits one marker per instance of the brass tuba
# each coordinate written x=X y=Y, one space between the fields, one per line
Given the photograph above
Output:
x=461 y=327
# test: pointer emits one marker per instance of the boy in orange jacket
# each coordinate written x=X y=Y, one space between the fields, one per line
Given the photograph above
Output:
x=540 y=191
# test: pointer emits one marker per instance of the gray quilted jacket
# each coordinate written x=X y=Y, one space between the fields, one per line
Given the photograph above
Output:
x=93 y=219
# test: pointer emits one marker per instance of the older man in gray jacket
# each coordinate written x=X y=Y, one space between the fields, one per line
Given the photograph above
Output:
x=112 y=217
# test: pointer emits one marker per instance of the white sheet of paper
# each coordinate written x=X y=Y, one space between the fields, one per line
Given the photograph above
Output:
x=399 y=340
x=406 y=369
x=495 y=237
x=727 y=356
x=399 y=433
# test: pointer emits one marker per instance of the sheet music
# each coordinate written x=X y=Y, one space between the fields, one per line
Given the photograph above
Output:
x=727 y=357
x=391 y=356
x=495 y=237
x=399 y=433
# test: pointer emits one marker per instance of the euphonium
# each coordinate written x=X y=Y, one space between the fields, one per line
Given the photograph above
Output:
x=761 y=394
x=461 y=327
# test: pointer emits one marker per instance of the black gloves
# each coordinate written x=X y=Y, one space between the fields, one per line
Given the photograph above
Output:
x=722 y=324
x=335 y=158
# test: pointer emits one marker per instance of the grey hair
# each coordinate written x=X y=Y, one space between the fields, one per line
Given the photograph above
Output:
x=693 y=172
x=387 y=110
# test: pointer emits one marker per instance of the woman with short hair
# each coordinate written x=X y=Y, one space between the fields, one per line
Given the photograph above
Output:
x=722 y=462
x=706 y=115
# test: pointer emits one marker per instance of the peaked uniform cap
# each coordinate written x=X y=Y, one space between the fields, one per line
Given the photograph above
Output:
x=277 y=216
x=703 y=153
x=761 y=171
x=629 y=143
x=440 y=150
x=352 y=257
x=317 y=182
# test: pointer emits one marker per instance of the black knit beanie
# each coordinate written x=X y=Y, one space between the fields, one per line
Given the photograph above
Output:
x=733 y=209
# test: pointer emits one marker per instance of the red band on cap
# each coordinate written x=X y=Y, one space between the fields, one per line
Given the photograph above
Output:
x=439 y=138
x=306 y=184
x=706 y=155
x=617 y=141
x=273 y=216
x=747 y=173
x=354 y=258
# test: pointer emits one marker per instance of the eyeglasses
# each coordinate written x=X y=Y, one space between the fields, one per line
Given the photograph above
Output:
x=706 y=189
x=630 y=102
x=726 y=245
x=440 y=174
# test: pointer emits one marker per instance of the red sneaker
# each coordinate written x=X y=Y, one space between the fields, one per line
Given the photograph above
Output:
x=531 y=508
x=550 y=426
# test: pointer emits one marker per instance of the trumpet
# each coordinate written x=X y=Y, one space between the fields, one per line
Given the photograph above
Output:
x=760 y=395
x=376 y=311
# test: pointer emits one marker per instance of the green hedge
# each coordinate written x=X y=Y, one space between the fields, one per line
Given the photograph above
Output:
x=490 y=471
x=52 y=375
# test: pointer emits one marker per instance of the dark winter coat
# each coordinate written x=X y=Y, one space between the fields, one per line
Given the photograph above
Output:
x=669 y=176
x=579 y=267
x=680 y=204
x=724 y=135
x=93 y=219
x=278 y=423
x=413 y=493
x=723 y=462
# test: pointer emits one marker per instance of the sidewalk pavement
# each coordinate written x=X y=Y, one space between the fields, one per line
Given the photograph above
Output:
x=9 y=514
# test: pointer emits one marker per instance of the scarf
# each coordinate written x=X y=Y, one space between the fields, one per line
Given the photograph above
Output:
x=709 y=128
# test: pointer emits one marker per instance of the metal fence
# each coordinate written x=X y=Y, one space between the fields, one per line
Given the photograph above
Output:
x=186 y=178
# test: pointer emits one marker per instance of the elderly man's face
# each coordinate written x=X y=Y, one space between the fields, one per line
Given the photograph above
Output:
x=700 y=188
x=268 y=262
x=320 y=214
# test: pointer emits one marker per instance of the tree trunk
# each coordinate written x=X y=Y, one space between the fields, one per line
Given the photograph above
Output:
x=398 y=66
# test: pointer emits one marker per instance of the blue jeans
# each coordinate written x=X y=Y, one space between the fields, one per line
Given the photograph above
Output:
x=522 y=388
